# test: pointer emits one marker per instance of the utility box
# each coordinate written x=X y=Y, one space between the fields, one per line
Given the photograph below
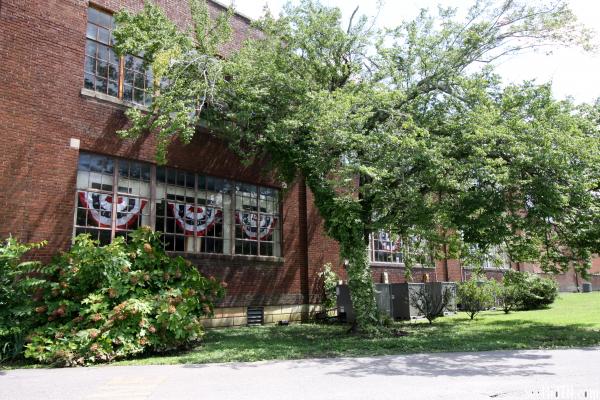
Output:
x=401 y=304
x=344 y=304
x=436 y=290
x=383 y=298
x=586 y=287
x=396 y=299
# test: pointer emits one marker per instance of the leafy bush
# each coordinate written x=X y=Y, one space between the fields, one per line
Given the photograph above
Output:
x=528 y=291
x=15 y=308
x=330 y=282
x=475 y=295
x=507 y=296
x=96 y=304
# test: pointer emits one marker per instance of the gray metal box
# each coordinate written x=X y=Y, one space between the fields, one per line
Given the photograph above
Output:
x=383 y=298
x=344 y=303
x=402 y=307
x=436 y=289
x=586 y=287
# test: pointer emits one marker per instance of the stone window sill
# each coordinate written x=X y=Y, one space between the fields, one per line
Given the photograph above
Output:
x=384 y=264
x=104 y=98
x=467 y=267
x=227 y=257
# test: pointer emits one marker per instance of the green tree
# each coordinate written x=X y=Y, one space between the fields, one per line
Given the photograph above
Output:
x=475 y=295
x=372 y=122
x=483 y=165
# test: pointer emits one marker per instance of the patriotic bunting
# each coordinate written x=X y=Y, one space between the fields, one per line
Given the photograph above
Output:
x=188 y=217
x=252 y=227
x=100 y=207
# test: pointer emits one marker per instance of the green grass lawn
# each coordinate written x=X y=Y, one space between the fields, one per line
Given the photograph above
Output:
x=572 y=321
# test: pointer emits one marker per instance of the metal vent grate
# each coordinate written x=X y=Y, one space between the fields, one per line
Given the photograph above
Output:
x=255 y=315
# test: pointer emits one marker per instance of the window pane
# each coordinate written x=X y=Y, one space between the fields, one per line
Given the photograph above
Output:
x=101 y=18
x=138 y=96
x=102 y=52
x=94 y=15
x=160 y=174
x=139 y=80
x=171 y=176
x=84 y=162
x=113 y=57
x=101 y=85
x=113 y=88
x=102 y=69
x=90 y=64
x=88 y=82
x=128 y=77
x=149 y=80
x=103 y=35
x=266 y=249
x=113 y=72
x=90 y=48
x=127 y=92
x=91 y=31
x=180 y=175
x=101 y=164
x=135 y=170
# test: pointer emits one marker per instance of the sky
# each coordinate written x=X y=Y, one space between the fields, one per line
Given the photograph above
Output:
x=572 y=72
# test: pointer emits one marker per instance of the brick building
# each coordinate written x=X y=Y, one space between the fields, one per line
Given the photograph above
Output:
x=63 y=93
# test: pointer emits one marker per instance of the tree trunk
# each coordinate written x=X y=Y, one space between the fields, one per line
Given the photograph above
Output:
x=361 y=287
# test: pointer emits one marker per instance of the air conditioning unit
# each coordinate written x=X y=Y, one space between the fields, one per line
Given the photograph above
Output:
x=344 y=304
x=401 y=304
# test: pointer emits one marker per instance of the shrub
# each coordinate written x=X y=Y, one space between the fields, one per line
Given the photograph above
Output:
x=330 y=282
x=475 y=295
x=508 y=297
x=15 y=309
x=528 y=291
x=96 y=304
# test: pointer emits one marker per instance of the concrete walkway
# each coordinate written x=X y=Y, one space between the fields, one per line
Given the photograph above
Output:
x=537 y=374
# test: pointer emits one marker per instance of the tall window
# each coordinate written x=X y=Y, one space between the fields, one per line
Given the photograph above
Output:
x=495 y=257
x=256 y=220
x=112 y=196
x=387 y=248
x=104 y=72
x=196 y=213
x=190 y=212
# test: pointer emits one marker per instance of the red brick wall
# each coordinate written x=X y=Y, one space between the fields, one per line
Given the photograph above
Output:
x=321 y=250
x=42 y=46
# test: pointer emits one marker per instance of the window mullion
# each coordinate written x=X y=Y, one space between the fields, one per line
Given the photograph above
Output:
x=121 y=75
x=153 y=196
x=195 y=240
x=371 y=247
x=77 y=209
x=115 y=199
x=258 y=213
x=233 y=219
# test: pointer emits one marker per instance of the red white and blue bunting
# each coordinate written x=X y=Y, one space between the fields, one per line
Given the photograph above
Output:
x=100 y=207
x=194 y=220
x=252 y=227
x=386 y=243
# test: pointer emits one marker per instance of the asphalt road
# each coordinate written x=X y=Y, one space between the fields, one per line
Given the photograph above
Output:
x=537 y=374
